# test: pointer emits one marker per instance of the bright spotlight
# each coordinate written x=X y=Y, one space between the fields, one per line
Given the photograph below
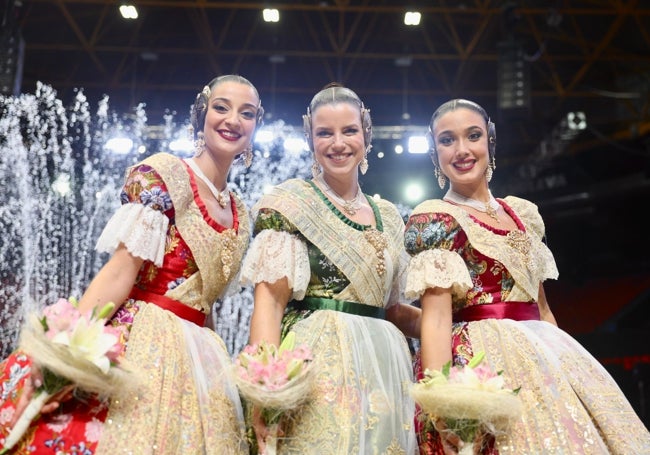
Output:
x=181 y=145
x=399 y=149
x=412 y=18
x=576 y=120
x=264 y=136
x=128 y=11
x=271 y=15
x=418 y=144
x=119 y=145
x=380 y=155
x=295 y=145
x=413 y=192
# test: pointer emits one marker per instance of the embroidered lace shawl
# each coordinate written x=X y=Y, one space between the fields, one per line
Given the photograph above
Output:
x=346 y=247
x=528 y=270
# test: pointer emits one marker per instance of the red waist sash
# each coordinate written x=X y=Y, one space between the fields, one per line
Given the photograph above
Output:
x=519 y=311
x=179 y=309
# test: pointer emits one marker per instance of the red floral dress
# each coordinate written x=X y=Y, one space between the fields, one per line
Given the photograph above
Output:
x=76 y=427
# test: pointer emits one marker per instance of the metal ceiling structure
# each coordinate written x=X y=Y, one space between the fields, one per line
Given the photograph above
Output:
x=590 y=57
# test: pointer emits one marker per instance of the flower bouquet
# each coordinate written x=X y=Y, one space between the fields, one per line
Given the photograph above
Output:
x=469 y=401
x=72 y=351
x=275 y=380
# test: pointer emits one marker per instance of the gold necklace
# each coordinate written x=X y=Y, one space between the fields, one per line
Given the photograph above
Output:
x=350 y=207
x=223 y=196
x=491 y=207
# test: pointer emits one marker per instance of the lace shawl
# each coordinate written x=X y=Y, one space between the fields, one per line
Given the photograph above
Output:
x=144 y=232
x=345 y=246
x=528 y=270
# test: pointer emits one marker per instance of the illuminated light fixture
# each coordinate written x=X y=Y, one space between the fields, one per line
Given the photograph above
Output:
x=181 y=145
x=413 y=192
x=399 y=149
x=418 y=144
x=412 y=18
x=271 y=15
x=264 y=136
x=576 y=121
x=119 y=145
x=128 y=11
x=295 y=145
x=380 y=155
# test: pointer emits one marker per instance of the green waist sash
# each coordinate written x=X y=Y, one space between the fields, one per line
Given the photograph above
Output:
x=320 y=303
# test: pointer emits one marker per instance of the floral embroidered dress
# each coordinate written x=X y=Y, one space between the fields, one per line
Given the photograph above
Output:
x=572 y=404
x=343 y=275
x=185 y=402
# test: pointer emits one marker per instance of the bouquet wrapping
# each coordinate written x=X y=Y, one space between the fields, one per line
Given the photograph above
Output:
x=275 y=380
x=72 y=351
x=468 y=401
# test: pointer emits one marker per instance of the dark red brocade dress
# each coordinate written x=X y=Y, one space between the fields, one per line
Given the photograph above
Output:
x=571 y=403
x=180 y=279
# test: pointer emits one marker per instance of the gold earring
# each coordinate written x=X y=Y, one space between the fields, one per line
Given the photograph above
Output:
x=248 y=155
x=199 y=144
x=315 y=169
x=442 y=179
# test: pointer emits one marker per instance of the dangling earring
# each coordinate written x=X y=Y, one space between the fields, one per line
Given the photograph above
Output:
x=315 y=169
x=363 y=167
x=199 y=144
x=248 y=155
x=492 y=165
x=442 y=180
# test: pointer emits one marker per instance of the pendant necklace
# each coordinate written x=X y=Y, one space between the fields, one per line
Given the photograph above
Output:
x=491 y=207
x=223 y=196
x=350 y=207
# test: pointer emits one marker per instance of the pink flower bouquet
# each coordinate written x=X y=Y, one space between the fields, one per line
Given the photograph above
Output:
x=71 y=350
x=275 y=380
x=470 y=401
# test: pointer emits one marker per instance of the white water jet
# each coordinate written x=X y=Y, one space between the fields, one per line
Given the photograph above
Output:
x=60 y=185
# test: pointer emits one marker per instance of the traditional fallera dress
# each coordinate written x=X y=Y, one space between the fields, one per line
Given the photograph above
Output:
x=343 y=276
x=571 y=403
x=185 y=402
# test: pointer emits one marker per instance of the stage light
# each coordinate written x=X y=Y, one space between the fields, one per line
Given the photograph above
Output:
x=413 y=192
x=271 y=15
x=576 y=120
x=412 y=18
x=295 y=145
x=399 y=149
x=181 y=145
x=418 y=144
x=119 y=145
x=264 y=136
x=128 y=11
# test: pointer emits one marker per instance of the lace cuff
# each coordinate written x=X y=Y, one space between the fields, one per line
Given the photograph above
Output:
x=273 y=255
x=437 y=268
x=141 y=229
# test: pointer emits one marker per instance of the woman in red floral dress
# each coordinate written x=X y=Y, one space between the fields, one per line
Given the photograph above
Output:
x=177 y=242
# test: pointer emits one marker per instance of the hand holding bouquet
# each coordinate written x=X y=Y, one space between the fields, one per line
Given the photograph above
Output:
x=274 y=380
x=71 y=351
x=469 y=401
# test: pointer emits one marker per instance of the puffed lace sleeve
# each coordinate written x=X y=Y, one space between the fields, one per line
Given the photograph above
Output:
x=276 y=252
x=141 y=221
x=429 y=239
